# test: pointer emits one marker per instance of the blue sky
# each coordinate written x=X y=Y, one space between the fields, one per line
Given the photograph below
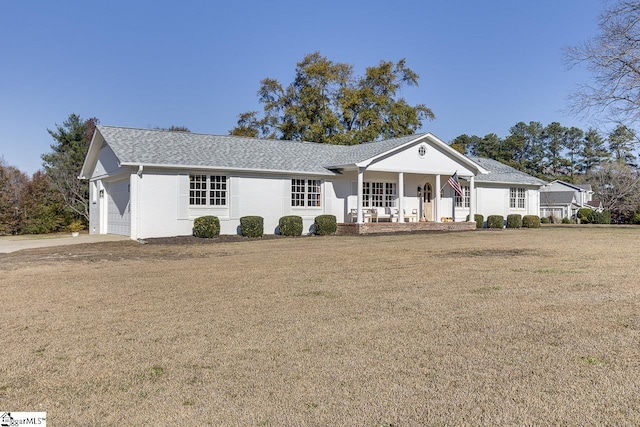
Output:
x=483 y=64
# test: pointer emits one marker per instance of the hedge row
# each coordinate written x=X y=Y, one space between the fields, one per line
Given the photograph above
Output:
x=513 y=221
x=253 y=226
x=291 y=225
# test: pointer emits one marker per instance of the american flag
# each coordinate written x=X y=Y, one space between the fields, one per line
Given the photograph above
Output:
x=453 y=182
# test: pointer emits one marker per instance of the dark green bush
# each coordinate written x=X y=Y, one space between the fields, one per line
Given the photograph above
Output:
x=252 y=226
x=544 y=220
x=206 y=227
x=566 y=220
x=514 y=221
x=290 y=225
x=495 y=221
x=582 y=214
x=595 y=217
x=325 y=224
x=479 y=219
x=531 y=221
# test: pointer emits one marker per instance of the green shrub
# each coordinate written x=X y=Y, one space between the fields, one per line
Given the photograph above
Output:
x=290 y=225
x=566 y=220
x=544 y=220
x=636 y=218
x=206 y=227
x=76 y=226
x=252 y=226
x=495 y=221
x=595 y=217
x=514 y=221
x=531 y=221
x=582 y=214
x=479 y=219
x=325 y=224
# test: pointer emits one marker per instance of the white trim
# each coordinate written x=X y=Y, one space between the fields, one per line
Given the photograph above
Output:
x=227 y=169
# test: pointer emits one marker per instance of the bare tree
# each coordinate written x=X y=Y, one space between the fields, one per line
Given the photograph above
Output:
x=613 y=57
x=617 y=186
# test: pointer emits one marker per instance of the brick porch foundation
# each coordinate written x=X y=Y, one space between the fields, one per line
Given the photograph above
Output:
x=346 y=229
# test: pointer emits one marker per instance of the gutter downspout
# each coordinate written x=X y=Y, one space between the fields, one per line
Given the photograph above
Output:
x=137 y=216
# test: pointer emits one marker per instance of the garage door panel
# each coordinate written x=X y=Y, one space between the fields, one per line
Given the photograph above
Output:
x=119 y=209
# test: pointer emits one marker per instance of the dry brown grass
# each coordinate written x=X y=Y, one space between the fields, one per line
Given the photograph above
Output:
x=518 y=327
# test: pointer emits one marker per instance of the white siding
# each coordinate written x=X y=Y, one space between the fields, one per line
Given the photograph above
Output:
x=493 y=199
x=408 y=160
x=107 y=164
x=161 y=203
x=158 y=206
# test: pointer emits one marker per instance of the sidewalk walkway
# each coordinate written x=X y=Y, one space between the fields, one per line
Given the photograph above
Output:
x=17 y=243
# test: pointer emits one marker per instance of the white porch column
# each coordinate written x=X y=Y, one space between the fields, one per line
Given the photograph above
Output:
x=472 y=198
x=400 y=196
x=437 y=191
x=360 y=219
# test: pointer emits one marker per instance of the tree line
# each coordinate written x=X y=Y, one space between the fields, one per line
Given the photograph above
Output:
x=606 y=161
x=53 y=197
x=553 y=151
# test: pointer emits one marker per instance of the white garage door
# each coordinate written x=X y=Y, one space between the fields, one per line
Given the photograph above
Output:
x=119 y=211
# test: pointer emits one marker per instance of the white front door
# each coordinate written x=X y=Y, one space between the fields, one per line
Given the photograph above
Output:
x=427 y=202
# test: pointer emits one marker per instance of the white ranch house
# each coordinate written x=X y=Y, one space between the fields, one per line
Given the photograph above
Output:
x=153 y=183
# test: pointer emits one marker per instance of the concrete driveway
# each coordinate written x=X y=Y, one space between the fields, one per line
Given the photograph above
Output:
x=17 y=243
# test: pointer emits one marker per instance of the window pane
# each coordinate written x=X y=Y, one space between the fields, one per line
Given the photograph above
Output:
x=366 y=195
x=463 y=202
x=377 y=194
x=521 y=198
x=218 y=190
x=389 y=194
x=297 y=192
x=313 y=192
x=197 y=189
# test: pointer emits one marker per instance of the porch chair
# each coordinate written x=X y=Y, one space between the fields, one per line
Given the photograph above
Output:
x=374 y=214
x=413 y=217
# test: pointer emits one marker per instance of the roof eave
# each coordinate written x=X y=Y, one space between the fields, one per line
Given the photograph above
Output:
x=92 y=156
x=459 y=156
x=226 y=168
x=511 y=183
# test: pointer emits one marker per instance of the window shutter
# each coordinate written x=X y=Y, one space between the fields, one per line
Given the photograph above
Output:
x=233 y=188
x=286 y=196
x=183 y=196
x=326 y=192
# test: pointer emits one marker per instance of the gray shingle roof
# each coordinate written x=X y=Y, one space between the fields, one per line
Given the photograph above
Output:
x=501 y=173
x=586 y=187
x=358 y=153
x=549 y=198
x=193 y=150
x=165 y=148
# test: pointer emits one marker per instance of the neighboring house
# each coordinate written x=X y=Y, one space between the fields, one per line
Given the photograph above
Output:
x=153 y=183
x=561 y=199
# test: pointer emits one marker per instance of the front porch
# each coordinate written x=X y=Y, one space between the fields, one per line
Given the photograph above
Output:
x=353 y=229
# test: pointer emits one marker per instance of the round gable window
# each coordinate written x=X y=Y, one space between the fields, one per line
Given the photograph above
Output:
x=422 y=151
